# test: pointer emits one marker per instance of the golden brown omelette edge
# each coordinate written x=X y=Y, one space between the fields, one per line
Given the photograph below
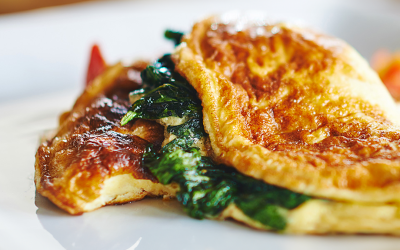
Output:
x=92 y=161
x=295 y=108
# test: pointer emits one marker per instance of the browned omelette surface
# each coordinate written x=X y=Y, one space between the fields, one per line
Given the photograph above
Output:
x=295 y=108
x=93 y=161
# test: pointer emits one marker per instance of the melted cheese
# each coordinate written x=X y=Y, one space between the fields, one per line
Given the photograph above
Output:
x=327 y=217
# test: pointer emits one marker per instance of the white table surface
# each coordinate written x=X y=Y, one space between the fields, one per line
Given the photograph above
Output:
x=43 y=60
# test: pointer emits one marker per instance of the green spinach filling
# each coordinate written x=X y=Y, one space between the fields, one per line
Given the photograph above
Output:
x=206 y=188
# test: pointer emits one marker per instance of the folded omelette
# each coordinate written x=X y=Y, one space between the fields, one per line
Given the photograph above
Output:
x=90 y=160
x=300 y=135
x=294 y=108
x=273 y=125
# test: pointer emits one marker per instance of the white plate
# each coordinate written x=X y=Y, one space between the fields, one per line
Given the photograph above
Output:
x=42 y=63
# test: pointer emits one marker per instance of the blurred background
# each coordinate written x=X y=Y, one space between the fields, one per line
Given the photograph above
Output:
x=44 y=44
x=11 y=6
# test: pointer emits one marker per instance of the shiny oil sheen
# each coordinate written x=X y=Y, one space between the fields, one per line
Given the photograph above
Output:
x=92 y=160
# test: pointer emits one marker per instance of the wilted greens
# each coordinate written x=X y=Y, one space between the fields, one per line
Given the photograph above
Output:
x=206 y=189
x=175 y=36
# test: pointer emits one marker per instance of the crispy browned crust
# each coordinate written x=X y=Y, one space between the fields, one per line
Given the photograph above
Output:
x=90 y=149
x=294 y=108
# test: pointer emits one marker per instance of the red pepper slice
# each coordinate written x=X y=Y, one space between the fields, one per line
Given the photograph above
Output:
x=97 y=65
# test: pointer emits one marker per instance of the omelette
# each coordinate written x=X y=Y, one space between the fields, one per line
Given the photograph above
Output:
x=90 y=160
x=295 y=108
x=273 y=125
x=278 y=127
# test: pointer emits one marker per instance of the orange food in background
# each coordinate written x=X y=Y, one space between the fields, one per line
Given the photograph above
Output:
x=387 y=65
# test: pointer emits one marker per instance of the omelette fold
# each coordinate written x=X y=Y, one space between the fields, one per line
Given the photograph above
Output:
x=91 y=161
x=271 y=124
x=300 y=110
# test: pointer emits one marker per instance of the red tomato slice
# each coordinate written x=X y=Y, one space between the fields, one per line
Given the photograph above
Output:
x=97 y=65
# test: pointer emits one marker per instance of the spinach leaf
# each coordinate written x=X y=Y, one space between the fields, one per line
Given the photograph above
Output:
x=165 y=93
x=206 y=188
x=193 y=128
x=175 y=36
